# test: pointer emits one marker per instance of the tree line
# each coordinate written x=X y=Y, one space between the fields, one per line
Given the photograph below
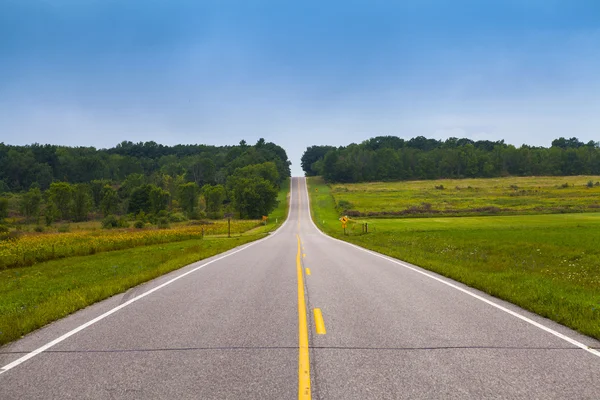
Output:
x=60 y=183
x=392 y=158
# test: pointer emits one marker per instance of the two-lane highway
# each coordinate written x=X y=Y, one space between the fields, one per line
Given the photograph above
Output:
x=296 y=315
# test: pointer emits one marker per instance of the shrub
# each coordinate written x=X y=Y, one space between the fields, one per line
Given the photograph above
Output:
x=564 y=185
x=122 y=223
x=177 y=217
x=139 y=224
x=3 y=228
x=590 y=184
x=215 y=215
x=163 y=223
x=514 y=187
x=440 y=187
x=344 y=205
x=109 y=222
x=39 y=228
x=64 y=228
x=196 y=214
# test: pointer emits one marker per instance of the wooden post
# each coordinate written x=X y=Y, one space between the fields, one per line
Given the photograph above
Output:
x=229 y=227
x=202 y=237
x=366 y=227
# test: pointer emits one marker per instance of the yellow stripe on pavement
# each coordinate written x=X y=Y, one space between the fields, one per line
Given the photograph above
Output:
x=303 y=357
x=319 y=323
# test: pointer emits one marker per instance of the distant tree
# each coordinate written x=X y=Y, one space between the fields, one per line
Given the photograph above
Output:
x=214 y=197
x=254 y=197
x=60 y=194
x=3 y=208
x=140 y=199
x=159 y=199
x=267 y=171
x=82 y=202
x=31 y=204
x=130 y=183
x=202 y=171
x=312 y=155
x=188 y=197
x=110 y=201
x=96 y=188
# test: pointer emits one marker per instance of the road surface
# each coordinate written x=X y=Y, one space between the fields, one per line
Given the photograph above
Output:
x=296 y=315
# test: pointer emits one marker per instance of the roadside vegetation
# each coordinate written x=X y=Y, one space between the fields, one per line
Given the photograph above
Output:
x=64 y=246
x=548 y=264
x=46 y=186
x=29 y=249
x=455 y=197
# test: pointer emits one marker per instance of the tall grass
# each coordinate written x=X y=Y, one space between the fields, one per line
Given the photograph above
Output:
x=512 y=195
x=34 y=248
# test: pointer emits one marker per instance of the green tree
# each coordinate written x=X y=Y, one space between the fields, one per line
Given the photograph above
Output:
x=110 y=201
x=140 y=199
x=60 y=194
x=97 y=188
x=3 y=208
x=202 y=171
x=312 y=155
x=254 y=197
x=82 y=201
x=159 y=199
x=30 y=204
x=266 y=171
x=214 y=197
x=188 y=197
x=130 y=183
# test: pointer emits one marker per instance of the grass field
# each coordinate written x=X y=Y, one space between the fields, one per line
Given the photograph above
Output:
x=549 y=264
x=32 y=296
x=514 y=195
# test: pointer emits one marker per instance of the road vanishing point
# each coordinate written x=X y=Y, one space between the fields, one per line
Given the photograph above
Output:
x=301 y=315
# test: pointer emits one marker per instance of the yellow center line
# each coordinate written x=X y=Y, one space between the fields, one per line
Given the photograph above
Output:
x=319 y=323
x=303 y=356
x=307 y=271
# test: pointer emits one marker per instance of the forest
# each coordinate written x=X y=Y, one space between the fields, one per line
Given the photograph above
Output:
x=52 y=183
x=387 y=158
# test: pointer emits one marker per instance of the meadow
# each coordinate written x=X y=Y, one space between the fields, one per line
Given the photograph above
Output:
x=41 y=292
x=510 y=195
x=548 y=263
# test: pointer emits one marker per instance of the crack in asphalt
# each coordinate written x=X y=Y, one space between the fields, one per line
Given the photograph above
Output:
x=296 y=348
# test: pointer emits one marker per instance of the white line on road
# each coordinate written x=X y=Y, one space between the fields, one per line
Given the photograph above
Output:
x=478 y=297
x=133 y=300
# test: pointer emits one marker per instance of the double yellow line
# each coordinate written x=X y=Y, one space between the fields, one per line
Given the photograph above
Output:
x=303 y=357
x=304 y=392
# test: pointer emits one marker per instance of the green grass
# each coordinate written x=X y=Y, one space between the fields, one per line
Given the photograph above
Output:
x=513 y=195
x=548 y=264
x=33 y=296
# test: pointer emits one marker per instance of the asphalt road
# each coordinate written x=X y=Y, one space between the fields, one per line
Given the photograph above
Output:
x=242 y=326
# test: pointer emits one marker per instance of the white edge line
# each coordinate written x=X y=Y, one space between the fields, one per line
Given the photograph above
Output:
x=48 y=345
x=478 y=297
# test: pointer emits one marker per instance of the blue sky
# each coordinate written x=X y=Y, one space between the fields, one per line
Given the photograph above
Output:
x=298 y=73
